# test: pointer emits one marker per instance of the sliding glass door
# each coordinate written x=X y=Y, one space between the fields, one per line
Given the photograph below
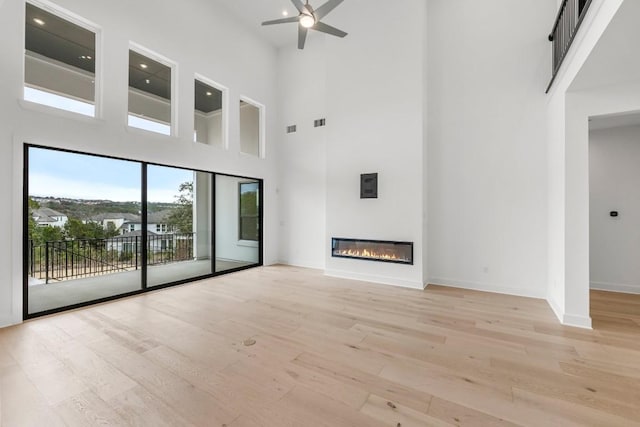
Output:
x=77 y=207
x=178 y=224
x=237 y=222
x=96 y=228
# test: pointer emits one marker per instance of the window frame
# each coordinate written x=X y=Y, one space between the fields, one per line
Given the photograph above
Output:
x=26 y=314
x=82 y=22
x=153 y=55
x=225 y=109
x=261 y=126
x=257 y=215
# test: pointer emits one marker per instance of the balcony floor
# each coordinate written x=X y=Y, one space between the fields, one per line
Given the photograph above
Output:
x=43 y=297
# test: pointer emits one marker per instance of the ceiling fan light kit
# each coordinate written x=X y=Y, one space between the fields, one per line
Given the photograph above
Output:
x=307 y=21
x=310 y=19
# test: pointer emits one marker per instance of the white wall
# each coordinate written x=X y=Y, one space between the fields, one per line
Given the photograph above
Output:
x=487 y=157
x=178 y=31
x=375 y=114
x=302 y=80
x=614 y=185
x=370 y=87
x=485 y=173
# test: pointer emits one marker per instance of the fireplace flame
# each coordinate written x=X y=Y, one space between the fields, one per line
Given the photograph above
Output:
x=366 y=253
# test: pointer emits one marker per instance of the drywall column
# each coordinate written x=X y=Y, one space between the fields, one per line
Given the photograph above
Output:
x=576 y=297
x=568 y=199
x=375 y=121
x=202 y=215
x=11 y=47
x=580 y=106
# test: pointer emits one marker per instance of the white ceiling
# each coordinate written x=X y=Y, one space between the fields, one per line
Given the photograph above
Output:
x=251 y=14
x=614 y=121
x=616 y=57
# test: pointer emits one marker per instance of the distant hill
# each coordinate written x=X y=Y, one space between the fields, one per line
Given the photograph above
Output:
x=84 y=209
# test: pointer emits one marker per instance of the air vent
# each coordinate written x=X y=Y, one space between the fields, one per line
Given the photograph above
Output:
x=291 y=129
x=318 y=123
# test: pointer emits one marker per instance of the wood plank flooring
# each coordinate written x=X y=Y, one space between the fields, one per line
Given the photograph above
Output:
x=327 y=352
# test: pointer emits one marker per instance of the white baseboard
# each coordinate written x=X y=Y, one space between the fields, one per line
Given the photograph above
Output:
x=302 y=264
x=569 y=319
x=8 y=321
x=583 y=322
x=374 y=279
x=485 y=287
x=555 y=307
x=615 y=287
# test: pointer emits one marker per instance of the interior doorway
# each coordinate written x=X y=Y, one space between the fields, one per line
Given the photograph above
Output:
x=614 y=221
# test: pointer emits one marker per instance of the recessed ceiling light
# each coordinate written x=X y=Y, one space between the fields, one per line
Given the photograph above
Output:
x=89 y=57
x=143 y=66
x=209 y=93
x=147 y=81
x=285 y=13
x=38 y=21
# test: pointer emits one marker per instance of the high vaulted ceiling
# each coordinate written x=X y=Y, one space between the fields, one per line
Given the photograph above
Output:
x=251 y=13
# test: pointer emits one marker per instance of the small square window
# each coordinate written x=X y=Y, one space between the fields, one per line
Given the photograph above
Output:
x=251 y=129
x=149 y=94
x=60 y=62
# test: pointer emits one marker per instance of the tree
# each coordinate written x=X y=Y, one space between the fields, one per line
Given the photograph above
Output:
x=181 y=217
x=75 y=229
x=32 y=222
x=111 y=230
x=33 y=204
x=249 y=214
x=44 y=234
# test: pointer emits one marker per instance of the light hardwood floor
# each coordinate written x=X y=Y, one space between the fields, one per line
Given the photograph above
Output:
x=327 y=352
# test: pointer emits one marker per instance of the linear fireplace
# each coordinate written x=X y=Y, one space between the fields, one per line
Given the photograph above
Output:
x=373 y=250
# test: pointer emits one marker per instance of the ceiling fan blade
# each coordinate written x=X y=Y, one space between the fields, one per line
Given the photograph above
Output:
x=324 y=28
x=324 y=10
x=302 y=36
x=281 y=21
x=299 y=5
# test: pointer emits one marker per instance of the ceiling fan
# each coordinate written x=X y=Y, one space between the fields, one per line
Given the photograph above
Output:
x=309 y=18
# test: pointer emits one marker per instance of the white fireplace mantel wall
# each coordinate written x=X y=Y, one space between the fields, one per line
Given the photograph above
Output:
x=454 y=130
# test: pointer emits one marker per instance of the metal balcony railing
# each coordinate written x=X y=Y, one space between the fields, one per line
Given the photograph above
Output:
x=81 y=258
x=564 y=30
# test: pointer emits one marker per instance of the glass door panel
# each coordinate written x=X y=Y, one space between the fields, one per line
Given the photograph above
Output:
x=78 y=247
x=178 y=224
x=237 y=222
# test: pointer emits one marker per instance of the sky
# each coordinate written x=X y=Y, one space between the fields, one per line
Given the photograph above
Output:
x=77 y=176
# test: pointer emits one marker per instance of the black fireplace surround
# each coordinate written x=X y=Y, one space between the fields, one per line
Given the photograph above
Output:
x=373 y=250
